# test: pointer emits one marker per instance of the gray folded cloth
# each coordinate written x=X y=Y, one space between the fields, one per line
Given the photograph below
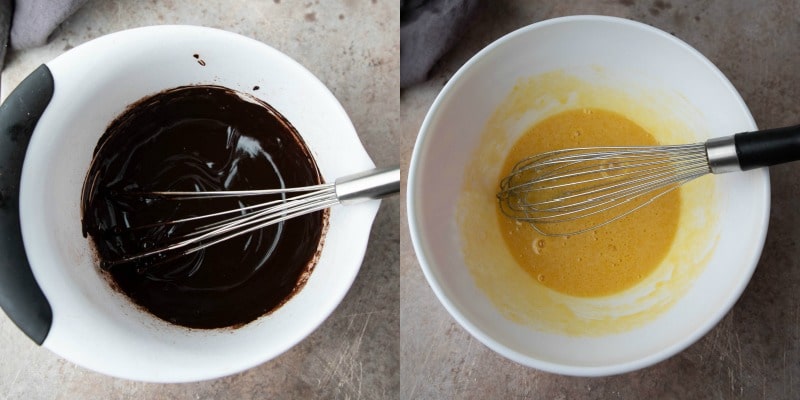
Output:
x=428 y=29
x=35 y=20
x=30 y=22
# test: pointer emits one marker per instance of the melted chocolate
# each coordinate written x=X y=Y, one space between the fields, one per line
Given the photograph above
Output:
x=199 y=138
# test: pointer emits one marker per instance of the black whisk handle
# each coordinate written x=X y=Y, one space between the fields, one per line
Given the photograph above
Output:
x=768 y=147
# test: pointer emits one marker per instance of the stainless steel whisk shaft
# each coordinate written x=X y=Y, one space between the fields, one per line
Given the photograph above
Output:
x=351 y=189
x=571 y=191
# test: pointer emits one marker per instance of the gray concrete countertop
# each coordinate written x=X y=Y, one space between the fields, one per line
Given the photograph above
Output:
x=353 y=47
x=755 y=350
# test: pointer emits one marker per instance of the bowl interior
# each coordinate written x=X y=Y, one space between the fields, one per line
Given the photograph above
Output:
x=624 y=55
x=99 y=328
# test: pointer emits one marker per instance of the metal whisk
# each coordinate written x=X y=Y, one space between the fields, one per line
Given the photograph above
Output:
x=225 y=225
x=572 y=191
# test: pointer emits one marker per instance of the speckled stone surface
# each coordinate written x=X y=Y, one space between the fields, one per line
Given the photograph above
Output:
x=353 y=47
x=755 y=350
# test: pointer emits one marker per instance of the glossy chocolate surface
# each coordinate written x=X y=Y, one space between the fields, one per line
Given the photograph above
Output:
x=199 y=138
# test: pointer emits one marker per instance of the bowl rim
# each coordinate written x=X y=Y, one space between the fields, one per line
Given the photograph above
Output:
x=423 y=252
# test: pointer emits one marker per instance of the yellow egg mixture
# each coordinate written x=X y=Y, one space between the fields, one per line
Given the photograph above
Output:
x=613 y=257
x=622 y=275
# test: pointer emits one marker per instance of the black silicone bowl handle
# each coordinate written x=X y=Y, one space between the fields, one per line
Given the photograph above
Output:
x=20 y=296
x=768 y=147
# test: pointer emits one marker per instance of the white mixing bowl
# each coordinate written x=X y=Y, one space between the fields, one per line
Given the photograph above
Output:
x=624 y=56
x=92 y=324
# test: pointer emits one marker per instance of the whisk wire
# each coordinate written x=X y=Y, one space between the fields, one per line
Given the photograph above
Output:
x=187 y=195
x=211 y=234
x=267 y=214
x=256 y=210
x=584 y=208
x=257 y=224
x=602 y=184
x=293 y=202
x=606 y=187
x=609 y=220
